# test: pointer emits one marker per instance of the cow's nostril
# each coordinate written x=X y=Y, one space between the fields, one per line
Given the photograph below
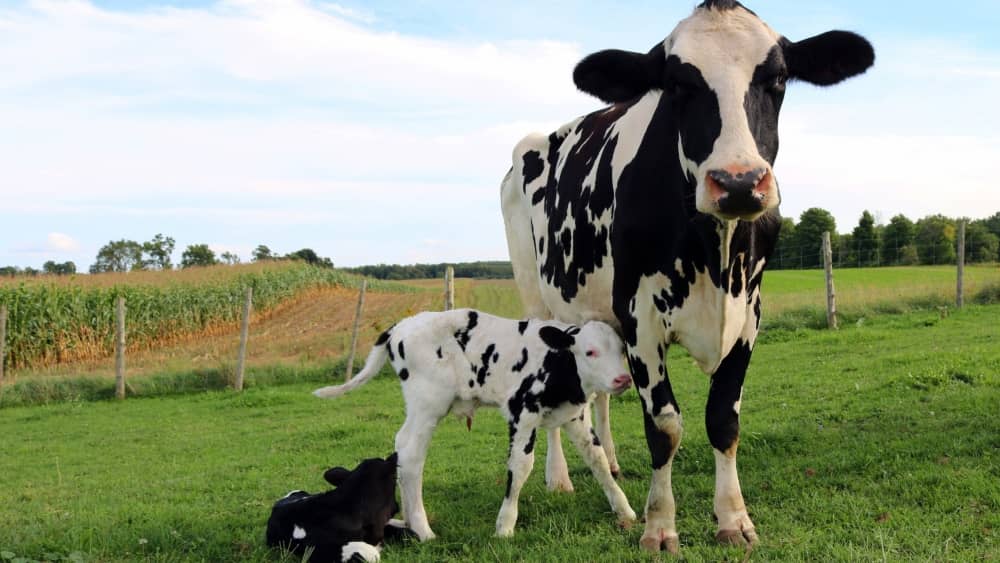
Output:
x=739 y=192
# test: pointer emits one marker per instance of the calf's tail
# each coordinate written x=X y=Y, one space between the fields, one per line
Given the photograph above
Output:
x=376 y=359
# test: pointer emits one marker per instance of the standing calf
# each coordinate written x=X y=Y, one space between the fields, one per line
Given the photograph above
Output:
x=540 y=373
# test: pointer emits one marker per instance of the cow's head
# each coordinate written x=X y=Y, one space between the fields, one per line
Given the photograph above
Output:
x=723 y=73
x=599 y=355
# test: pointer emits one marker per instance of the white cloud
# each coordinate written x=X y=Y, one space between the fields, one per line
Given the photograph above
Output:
x=59 y=242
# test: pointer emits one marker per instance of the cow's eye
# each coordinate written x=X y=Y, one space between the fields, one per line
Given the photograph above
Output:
x=777 y=83
x=591 y=353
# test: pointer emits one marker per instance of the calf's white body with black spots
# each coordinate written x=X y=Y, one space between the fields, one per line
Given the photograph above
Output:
x=539 y=373
x=658 y=214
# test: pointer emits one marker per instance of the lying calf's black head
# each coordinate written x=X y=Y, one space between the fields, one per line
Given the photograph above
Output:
x=345 y=524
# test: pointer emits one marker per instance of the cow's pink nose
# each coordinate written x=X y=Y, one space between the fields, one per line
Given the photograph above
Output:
x=739 y=191
x=622 y=381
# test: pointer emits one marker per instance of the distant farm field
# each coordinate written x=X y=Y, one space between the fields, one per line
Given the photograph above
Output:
x=875 y=442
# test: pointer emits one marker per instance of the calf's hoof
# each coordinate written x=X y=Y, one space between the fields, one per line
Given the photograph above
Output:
x=560 y=486
x=736 y=537
x=661 y=541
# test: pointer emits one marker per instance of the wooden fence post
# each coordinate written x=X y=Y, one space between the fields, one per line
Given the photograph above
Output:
x=449 y=288
x=3 y=339
x=354 y=334
x=120 y=348
x=831 y=302
x=959 y=290
x=244 y=333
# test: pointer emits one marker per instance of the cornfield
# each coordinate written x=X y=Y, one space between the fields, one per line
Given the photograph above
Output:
x=60 y=320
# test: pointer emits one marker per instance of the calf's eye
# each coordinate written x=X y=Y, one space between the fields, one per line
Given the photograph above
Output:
x=591 y=353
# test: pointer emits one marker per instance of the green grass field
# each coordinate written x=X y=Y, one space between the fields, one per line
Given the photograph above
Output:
x=877 y=442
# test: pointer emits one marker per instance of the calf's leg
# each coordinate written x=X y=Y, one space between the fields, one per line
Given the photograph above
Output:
x=556 y=469
x=602 y=423
x=519 y=464
x=586 y=441
x=412 y=442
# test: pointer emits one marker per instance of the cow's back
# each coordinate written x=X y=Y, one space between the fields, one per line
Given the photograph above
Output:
x=558 y=206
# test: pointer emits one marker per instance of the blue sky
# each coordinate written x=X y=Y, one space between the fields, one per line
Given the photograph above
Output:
x=378 y=131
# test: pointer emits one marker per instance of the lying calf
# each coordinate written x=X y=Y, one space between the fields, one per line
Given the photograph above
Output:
x=540 y=373
x=345 y=524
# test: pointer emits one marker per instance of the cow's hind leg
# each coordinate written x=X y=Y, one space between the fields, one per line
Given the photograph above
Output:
x=722 y=420
x=519 y=464
x=602 y=423
x=587 y=442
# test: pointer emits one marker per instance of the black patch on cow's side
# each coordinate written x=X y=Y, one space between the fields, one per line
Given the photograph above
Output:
x=533 y=166
x=472 y=383
x=541 y=245
x=555 y=338
x=522 y=362
x=484 y=369
x=462 y=335
x=510 y=481
x=404 y=374
x=392 y=356
x=522 y=326
x=538 y=196
x=721 y=421
x=593 y=438
x=530 y=446
x=440 y=355
x=402 y=352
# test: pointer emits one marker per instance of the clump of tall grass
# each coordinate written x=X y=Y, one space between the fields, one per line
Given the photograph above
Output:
x=53 y=321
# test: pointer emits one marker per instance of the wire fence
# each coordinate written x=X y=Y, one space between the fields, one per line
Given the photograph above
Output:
x=868 y=254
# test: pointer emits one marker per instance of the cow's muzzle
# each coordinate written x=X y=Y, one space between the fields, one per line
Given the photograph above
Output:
x=739 y=194
x=621 y=383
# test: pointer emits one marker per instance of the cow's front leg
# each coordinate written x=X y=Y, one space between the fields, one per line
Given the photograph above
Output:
x=519 y=463
x=662 y=419
x=556 y=470
x=602 y=424
x=722 y=420
x=581 y=432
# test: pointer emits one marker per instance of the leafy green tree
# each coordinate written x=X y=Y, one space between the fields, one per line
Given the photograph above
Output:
x=898 y=234
x=992 y=224
x=935 y=240
x=262 y=252
x=980 y=244
x=118 y=256
x=309 y=256
x=159 y=251
x=864 y=241
x=809 y=235
x=784 y=249
x=198 y=255
x=63 y=269
x=229 y=258
x=10 y=271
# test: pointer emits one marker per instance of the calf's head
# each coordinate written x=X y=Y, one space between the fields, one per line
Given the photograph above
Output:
x=722 y=73
x=598 y=352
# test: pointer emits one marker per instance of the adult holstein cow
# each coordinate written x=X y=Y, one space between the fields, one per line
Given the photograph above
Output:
x=658 y=215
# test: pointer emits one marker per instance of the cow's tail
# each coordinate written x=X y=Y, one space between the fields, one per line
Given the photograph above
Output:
x=376 y=359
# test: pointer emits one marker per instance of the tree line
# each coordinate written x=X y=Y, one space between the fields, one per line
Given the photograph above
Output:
x=156 y=254
x=900 y=242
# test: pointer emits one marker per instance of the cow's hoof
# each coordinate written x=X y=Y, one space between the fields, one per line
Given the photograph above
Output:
x=736 y=537
x=505 y=532
x=626 y=522
x=661 y=541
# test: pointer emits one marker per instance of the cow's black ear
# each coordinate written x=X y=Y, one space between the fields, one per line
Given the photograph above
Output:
x=828 y=58
x=336 y=475
x=555 y=338
x=618 y=76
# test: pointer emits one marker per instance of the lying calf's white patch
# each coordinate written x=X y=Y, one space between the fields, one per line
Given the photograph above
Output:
x=290 y=494
x=298 y=533
x=367 y=551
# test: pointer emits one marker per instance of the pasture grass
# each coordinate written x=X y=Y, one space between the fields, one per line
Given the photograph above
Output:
x=880 y=441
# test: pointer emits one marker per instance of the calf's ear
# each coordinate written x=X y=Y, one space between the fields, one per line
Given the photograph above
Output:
x=618 y=76
x=336 y=475
x=828 y=58
x=555 y=338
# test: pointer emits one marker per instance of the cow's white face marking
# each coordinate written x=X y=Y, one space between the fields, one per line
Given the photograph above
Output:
x=298 y=533
x=726 y=46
